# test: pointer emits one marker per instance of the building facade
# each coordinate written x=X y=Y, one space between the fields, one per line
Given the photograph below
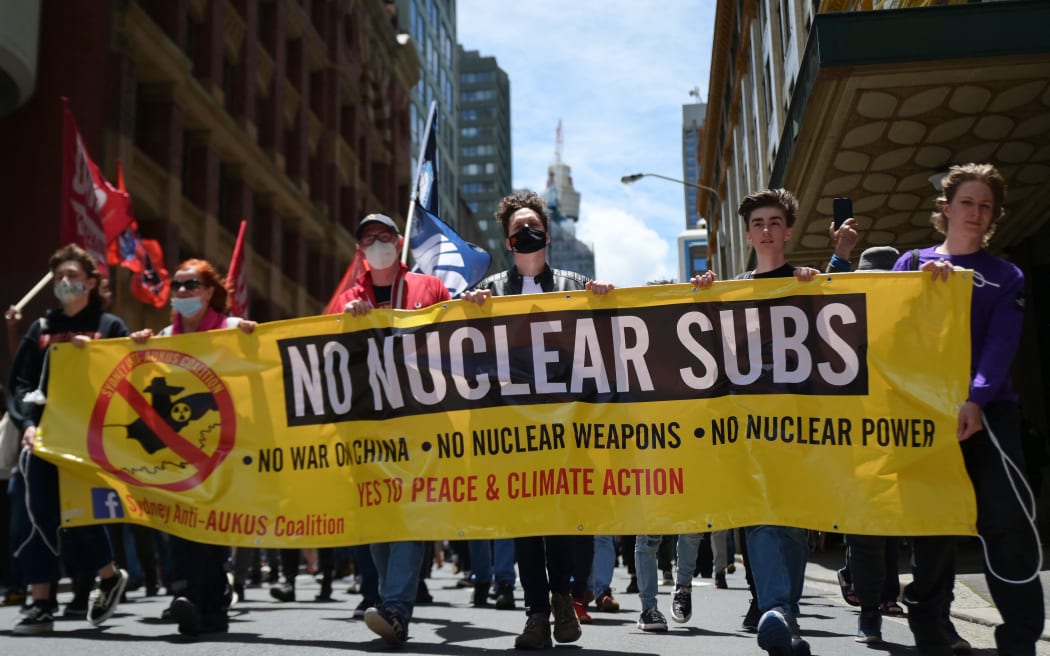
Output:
x=836 y=98
x=484 y=147
x=431 y=29
x=293 y=115
x=563 y=208
x=692 y=133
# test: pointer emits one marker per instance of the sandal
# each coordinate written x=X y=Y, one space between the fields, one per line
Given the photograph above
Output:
x=848 y=593
x=891 y=608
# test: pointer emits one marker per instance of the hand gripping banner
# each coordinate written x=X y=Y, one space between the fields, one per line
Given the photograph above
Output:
x=827 y=405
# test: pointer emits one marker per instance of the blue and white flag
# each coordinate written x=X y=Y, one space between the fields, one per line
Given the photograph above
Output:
x=436 y=248
x=440 y=252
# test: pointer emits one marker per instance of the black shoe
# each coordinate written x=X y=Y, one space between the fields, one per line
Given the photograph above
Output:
x=869 y=627
x=750 y=622
x=325 y=594
x=480 y=598
x=363 y=607
x=505 y=597
x=185 y=613
x=107 y=596
x=387 y=624
x=283 y=592
x=423 y=595
x=682 y=604
x=720 y=581
x=76 y=609
x=632 y=587
x=37 y=619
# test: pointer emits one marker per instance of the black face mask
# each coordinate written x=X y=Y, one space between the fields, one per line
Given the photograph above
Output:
x=528 y=240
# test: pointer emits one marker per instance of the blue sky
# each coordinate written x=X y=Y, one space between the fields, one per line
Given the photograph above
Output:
x=616 y=73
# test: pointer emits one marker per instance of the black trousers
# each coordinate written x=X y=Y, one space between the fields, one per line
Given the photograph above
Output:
x=1011 y=547
x=203 y=568
x=872 y=563
x=545 y=566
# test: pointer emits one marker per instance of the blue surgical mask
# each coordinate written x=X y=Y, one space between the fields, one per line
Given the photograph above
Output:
x=187 y=307
x=66 y=290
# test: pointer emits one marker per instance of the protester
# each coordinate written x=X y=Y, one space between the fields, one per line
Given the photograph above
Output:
x=545 y=564
x=869 y=578
x=78 y=319
x=777 y=554
x=200 y=303
x=389 y=284
x=493 y=559
x=968 y=212
x=645 y=562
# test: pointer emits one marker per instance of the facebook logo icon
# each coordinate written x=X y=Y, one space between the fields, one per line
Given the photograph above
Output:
x=105 y=503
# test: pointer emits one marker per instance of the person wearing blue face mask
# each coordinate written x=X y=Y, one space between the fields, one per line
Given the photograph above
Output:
x=199 y=302
x=79 y=319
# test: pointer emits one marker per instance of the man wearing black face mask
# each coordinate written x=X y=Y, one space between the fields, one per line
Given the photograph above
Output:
x=524 y=219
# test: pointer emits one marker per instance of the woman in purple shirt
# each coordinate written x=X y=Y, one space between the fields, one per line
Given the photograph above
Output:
x=967 y=214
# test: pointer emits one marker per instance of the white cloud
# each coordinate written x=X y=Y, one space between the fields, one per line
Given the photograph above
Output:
x=616 y=73
x=628 y=253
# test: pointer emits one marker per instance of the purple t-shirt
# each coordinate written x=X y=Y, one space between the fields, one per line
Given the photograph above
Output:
x=996 y=315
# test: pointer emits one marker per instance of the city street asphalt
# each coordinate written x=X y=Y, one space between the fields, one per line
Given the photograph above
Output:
x=260 y=625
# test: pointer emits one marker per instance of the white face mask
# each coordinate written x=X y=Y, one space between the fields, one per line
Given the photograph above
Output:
x=381 y=255
x=66 y=290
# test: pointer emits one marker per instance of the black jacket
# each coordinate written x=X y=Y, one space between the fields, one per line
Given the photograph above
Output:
x=29 y=360
x=509 y=282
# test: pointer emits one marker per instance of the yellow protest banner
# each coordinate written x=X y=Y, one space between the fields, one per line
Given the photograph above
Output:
x=828 y=405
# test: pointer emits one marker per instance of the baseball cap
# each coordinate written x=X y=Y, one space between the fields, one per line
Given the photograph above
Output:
x=381 y=219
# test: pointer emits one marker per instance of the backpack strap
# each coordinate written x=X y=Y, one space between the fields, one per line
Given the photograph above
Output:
x=914 y=259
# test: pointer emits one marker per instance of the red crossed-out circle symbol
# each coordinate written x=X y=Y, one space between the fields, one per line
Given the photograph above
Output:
x=200 y=463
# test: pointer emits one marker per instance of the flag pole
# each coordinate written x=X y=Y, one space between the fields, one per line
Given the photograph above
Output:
x=34 y=291
x=415 y=182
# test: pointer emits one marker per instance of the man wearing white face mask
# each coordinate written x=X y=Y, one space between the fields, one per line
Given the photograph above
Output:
x=389 y=284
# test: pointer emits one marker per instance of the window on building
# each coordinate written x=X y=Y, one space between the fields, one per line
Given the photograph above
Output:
x=477 y=95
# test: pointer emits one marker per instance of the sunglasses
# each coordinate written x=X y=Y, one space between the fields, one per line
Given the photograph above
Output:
x=189 y=285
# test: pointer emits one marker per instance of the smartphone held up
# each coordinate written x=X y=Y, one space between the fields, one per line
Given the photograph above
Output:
x=843 y=209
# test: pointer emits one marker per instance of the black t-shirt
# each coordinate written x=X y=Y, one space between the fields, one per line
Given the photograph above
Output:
x=785 y=270
x=382 y=295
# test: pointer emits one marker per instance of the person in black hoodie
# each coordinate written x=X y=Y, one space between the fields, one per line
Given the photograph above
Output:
x=78 y=320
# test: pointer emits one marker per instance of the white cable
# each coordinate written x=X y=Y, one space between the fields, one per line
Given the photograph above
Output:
x=1029 y=512
x=24 y=458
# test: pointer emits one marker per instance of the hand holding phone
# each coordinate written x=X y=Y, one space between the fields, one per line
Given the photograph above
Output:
x=843 y=209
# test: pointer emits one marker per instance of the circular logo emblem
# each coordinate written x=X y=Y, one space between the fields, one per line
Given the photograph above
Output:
x=170 y=433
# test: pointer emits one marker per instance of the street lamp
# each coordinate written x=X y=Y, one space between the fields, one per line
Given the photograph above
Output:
x=635 y=177
x=712 y=224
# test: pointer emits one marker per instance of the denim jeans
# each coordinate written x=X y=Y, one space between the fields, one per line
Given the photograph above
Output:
x=492 y=557
x=645 y=547
x=366 y=567
x=398 y=564
x=719 y=550
x=600 y=580
x=777 y=557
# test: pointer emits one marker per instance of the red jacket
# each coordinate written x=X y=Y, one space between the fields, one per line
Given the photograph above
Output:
x=410 y=291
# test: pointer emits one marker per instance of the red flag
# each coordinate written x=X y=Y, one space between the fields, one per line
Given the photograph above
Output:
x=150 y=282
x=93 y=213
x=356 y=269
x=236 y=280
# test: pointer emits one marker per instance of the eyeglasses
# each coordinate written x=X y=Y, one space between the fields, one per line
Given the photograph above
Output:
x=385 y=236
x=191 y=285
